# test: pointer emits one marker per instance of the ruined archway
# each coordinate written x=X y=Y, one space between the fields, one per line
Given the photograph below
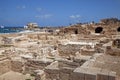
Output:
x=98 y=30
x=76 y=31
x=118 y=29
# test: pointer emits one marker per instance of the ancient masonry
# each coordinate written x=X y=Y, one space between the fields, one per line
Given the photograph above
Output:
x=77 y=52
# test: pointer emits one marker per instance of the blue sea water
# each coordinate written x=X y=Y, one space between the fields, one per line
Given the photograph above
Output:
x=11 y=29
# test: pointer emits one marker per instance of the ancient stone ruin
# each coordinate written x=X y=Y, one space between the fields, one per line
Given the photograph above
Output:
x=77 y=52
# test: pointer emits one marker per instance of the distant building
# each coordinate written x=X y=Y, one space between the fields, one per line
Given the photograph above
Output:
x=25 y=27
x=1 y=26
x=32 y=26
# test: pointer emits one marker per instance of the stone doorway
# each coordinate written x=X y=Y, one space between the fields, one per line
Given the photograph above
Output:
x=98 y=30
x=76 y=31
x=118 y=29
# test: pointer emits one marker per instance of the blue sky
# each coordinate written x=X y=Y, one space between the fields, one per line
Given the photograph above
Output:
x=56 y=12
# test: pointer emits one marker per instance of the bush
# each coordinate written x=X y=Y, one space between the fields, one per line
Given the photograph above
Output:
x=5 y=45
x=32 y=74
x=27 y=79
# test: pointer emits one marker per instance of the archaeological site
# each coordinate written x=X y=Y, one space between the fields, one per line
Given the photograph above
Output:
x=83 y=51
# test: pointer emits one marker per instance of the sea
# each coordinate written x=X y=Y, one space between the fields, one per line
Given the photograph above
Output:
x=11 y=29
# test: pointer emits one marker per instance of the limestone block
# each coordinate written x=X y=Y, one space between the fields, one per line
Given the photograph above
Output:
x=81 y=59
x=53 y=68
x=52 y=71
x=68 y=64
x=85 y=64
x=103 y=75
x=90 y=76
x=66 y=70
x=47 y=76
x=78 y=76
x=71 y=63
x=36 y=64
x=40 y=75
x=88 y=53
x=107 y=66
x=91 y=73
x=99 y=64
x=86 y=73
x=16 y=66
x=79 y=73
x=64 y=76
x=5 y=66
x=68 y=50
x=91 y=63
x=112 y=75
x=54 y=76
x=81 y=69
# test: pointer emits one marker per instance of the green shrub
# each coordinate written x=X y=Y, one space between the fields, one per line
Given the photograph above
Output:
x=5 y=45
x=27 y=79
x=32 y=74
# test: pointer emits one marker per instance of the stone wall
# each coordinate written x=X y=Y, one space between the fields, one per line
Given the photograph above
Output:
x=116 y=43
x=5 y=66
x=63 y=70
x=16 y=66
x=108 y=26
x=108 y=62
x=87 y=52
x=85 y=73
x=68 y=50
x=112 y=51
x=32 y=65
x=60 y=70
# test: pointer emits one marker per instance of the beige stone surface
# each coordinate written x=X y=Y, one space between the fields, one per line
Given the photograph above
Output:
x=5 y=66
x=16 y=66
x=11 y=75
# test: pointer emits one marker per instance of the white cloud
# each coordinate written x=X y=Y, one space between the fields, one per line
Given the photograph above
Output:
x=75 y=16
x=72 y=16
x=39 y=9
x=21 y=7
x=46 y=16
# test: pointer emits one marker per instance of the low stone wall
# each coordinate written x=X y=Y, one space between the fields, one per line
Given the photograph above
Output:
x=32 y=65
x=113 y=51
x=87 y=52
x=60 y=70
x=16 y=66
x=68 y=50
x=5 y=66
x=86 y=73
x=108 y=62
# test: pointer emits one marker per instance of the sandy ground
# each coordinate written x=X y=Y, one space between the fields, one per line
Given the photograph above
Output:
x=11 y=75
